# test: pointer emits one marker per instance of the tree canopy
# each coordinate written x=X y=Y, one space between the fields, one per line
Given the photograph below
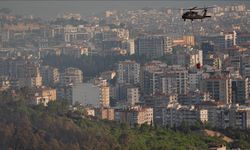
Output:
x=24 y=126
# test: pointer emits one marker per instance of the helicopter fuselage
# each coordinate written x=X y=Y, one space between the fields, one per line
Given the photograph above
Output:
x=194 y=15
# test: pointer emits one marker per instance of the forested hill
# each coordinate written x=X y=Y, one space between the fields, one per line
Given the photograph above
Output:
x=24 y=127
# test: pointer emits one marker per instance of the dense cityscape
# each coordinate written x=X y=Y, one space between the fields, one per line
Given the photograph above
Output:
x=142 y=68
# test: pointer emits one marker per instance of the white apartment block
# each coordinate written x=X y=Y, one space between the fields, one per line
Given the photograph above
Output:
x=128 y=72
x=90 y=94
x=174 y=115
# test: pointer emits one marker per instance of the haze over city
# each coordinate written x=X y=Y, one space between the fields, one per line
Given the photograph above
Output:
x=49 y=9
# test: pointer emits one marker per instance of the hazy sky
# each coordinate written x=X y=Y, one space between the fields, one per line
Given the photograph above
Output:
x=50 y=9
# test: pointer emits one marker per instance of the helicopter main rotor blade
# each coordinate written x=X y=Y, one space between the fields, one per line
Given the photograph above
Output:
x=193 y=8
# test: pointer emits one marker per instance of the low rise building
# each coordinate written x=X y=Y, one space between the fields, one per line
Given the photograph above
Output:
x=174 y=115
x=4 y=83
x=227 y=116
x=105 y=113
x=213 y=109
x=43 y=96
x=159 y=100
x=193 y=98
x=71 y=76
x=237 y=117
x=90 y=111
x=136 y=115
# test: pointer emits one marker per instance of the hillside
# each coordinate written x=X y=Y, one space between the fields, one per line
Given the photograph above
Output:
x=28 y=127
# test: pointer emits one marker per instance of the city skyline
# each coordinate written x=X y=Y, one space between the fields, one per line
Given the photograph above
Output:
x=144 y=78
x=88 y=8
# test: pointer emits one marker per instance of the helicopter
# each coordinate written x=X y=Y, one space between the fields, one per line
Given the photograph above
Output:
x=192 y=14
